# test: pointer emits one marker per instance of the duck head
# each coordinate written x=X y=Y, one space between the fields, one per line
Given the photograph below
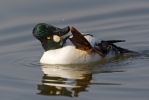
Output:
x=50 y=37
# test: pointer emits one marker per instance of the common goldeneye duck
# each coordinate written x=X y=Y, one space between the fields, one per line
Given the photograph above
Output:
x=61 y=48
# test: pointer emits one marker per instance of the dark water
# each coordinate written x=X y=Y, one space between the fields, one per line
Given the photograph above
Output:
x=23 y=78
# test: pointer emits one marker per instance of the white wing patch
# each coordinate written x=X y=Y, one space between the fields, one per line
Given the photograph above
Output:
x=56 y=38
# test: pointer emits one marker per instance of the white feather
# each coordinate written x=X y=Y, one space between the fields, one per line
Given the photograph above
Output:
x=70 y=55
x=56 y=38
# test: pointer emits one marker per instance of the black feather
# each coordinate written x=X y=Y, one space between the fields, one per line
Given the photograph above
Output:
x=115 y=41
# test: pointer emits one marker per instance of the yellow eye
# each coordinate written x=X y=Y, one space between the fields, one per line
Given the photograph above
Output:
x=48 y=38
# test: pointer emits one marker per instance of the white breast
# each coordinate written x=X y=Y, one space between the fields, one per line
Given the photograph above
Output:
x=69 y=54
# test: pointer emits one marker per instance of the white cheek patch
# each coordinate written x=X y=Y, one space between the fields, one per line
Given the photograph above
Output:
x=56 y=38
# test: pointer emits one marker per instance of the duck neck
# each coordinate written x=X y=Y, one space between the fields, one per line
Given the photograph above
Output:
x=50 y=45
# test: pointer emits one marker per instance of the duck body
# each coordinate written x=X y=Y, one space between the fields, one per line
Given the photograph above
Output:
x=68 y=54
x=61 y=48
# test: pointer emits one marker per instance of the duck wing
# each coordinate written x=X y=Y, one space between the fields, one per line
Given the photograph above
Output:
x=81 y=42
x=115 y=41
x=108 y=46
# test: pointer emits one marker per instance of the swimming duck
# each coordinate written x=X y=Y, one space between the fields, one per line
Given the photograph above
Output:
x=64 y=47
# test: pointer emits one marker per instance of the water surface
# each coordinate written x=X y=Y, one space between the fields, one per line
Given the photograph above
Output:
x=23 y=77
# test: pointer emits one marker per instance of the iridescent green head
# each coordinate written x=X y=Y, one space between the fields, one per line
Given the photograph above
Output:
x=50 y=37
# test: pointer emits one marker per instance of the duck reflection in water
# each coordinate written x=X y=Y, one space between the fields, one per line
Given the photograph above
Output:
x=60 y=80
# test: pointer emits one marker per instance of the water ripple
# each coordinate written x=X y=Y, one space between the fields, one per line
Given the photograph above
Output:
x=21 y=59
